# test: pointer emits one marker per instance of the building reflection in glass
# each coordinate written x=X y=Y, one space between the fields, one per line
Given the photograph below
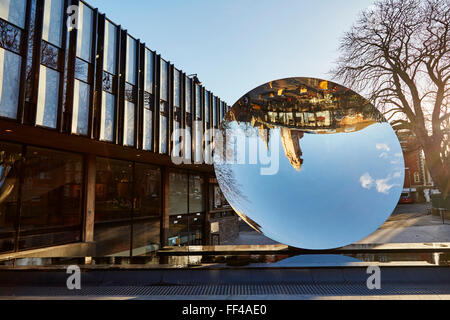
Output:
x=338 y=167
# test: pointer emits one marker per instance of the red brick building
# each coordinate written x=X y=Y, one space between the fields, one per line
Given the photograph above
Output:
x=417 y=176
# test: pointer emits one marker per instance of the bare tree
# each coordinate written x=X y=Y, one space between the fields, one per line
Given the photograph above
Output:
x=398 y=54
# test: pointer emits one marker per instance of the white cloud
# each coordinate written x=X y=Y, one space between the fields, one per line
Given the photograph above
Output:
x=384 y=155
x=366 y=181
x=398 y=155
x=397 y=175
x=383 y=146
x=383 y=186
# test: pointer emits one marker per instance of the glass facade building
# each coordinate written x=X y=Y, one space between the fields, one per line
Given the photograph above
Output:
x=86 y=117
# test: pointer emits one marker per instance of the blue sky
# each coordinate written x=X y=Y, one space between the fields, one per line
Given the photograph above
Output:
x=237 y=45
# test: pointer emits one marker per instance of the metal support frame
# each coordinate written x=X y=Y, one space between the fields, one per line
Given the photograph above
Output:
x=98 y=84
x=93 y=77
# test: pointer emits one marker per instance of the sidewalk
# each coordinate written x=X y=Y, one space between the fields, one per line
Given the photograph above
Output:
x=408 y=224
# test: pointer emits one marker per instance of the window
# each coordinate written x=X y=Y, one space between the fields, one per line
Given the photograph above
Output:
x=107 y=117
x=51 y=198
x=52 y=191
x=49 y=75
x=164 y=108
x=10 y=158
x=13 y=11
x=113 y=207
x=164 y=80
x=149 y=70
x=108 y=111
x=178 y=200
x=110 y=48
x=207 y=106
x=84 y=36
x=130 y=73
x=81 y=98
x=148 y=121
x=82 y=70
x=10 y=64
x=148 y=99
x=177 y=88
x=125 y=190
x=82 y=87
x=130 y=93
x=53 y=21
x=147 y=211
x=416 y=177
x=130 y=109
x=13 y=15
x=198 y=125
x=188 y=120
x=188 y=90
x=207 y=137
x=148 y=191
x=186 y=209
x=196 y=194
x=47 y=105
x=198 y=102
x=221 y=111
x=214 y=112
x=80 y=108
x=176 y=130
x=177 y=144
x=177 y=113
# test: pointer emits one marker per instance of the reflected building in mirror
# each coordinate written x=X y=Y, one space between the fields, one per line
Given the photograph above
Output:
x=303 y=105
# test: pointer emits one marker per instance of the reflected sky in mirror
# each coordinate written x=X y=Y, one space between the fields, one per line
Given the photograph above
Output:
x=309 y=163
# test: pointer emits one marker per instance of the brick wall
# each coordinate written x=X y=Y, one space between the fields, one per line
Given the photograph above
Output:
x=413 y=162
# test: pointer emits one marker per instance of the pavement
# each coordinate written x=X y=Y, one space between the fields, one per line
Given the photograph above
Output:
x=410 y=223
x=317 y=283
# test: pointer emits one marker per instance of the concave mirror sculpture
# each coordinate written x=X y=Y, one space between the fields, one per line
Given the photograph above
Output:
x=309 y=163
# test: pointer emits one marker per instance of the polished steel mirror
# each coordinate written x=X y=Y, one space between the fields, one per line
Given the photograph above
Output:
x=309 y=163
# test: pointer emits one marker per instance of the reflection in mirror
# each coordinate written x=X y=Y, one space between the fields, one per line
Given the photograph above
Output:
x=309 y=163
